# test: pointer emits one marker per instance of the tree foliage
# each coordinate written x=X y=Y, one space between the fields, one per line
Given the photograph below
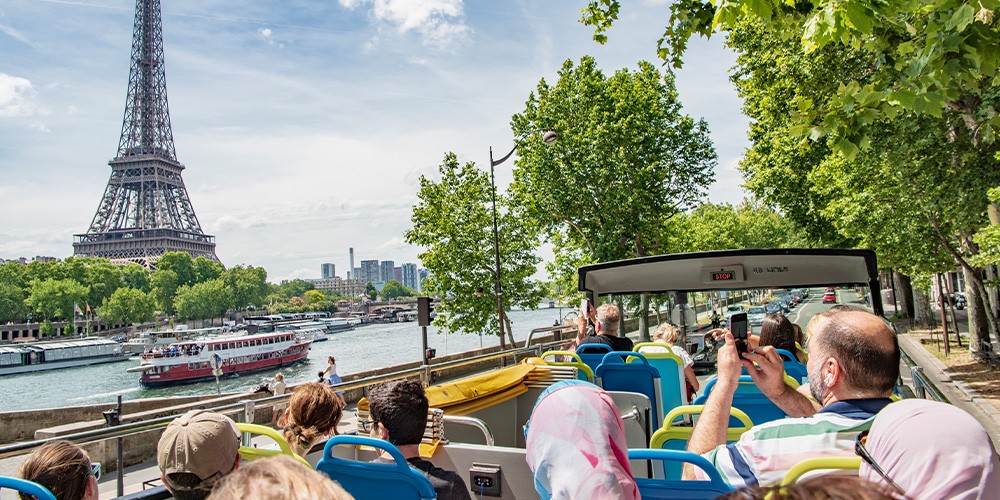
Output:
x=394 y=289
x=129 y=306
x=928 y=57
x=163 y=284
x=453 y=221
x=295 y=288
x=248 y=285
x=205 y=300
x=181 y=264
x=55 y=298
x=627 y=159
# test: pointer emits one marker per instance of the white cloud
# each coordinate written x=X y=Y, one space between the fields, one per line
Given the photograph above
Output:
x=268 y=35
x=41 y=127
x=393 y=245
x=440 y=23
x=17 y=96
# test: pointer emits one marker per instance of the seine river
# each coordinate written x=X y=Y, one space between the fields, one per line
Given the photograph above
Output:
x=363 y=348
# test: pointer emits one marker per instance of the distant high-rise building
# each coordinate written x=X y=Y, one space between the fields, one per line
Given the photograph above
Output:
x=385 y=270
x=369 y=271
x=357 y=274
x=409 y=271
x=422 y=275
x=352 y=269
x=397 y=274
x=327 y=271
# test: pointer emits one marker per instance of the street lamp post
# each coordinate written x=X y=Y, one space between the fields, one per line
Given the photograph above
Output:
x=548 y=137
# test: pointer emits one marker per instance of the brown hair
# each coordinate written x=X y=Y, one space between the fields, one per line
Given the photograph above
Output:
x=777 y=331
x=313 y=412
x=401 y=407
x=825 y=487
x=60 y=466
x=279 y=477
x=865 y=347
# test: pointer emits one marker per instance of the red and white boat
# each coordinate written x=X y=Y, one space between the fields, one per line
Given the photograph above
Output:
x=192 y=361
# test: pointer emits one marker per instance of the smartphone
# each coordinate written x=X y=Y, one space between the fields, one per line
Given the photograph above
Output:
x=737 y=324
x=585 y=314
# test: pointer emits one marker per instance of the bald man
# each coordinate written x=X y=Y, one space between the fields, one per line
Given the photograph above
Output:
x=853 y=367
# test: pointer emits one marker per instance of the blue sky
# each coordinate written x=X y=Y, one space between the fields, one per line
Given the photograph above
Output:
x=304 y=125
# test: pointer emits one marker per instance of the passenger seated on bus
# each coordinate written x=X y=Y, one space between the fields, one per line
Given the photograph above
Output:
x=64 y=468
x=398 y=414
x=931 y=450
x=277 y=387
x=776 y=331
x=279 y=477
x=195 y=451
x=575 y=444
x=668 y=334
x=826 y=487
x=853 y=367
x=606 y=329
x=313 y=413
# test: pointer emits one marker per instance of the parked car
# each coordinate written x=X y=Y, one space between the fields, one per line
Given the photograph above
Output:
x=830 y=298
x=773 y=307
x=960 y=301
x=755 y=315
x=734 y=308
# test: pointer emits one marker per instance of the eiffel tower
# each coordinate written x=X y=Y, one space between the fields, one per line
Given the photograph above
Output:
x=145 y=210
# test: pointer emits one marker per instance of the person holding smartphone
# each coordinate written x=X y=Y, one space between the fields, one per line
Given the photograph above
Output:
x=605 y=320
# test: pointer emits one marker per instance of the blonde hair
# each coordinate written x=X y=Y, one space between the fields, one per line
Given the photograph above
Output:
x=313 y=412
x=667 y=333
x=279 y=477
x=608 y=315
x=60 y=466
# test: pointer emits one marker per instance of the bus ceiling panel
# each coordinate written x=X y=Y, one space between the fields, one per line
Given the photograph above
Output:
x=731 y=270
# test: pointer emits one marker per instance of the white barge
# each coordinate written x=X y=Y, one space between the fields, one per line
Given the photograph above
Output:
x=40 y=356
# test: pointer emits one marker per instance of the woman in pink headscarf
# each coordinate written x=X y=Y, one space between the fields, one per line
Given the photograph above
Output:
x=931 y=450
x=576 y=445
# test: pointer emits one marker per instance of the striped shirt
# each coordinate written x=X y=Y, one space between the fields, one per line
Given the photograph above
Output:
x=766 y=452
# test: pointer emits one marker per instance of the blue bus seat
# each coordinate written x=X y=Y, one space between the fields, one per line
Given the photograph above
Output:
x=748 y=398
x=27 y=487
x=614 y=374
x=592 y=354
x=671 y=368
x=367 y=480
x=675 y=433
x=656 y=489
x=794 y=368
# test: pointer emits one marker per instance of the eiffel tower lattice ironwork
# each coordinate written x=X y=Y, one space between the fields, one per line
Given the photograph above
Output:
x=145 y=210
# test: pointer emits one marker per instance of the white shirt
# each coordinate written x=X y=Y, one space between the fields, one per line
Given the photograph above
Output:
x=678 y=350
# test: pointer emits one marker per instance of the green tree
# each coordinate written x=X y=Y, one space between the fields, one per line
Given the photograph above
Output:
x=136 y=276
x=929 y=57
x=295 y=288
x=313 y=297
x=12 y=306
x=206 y=269
x=370 y=291
x=453 y=221
x=206 y=300
x=54 y=299
x=181 y=264
x=103 y=278
x=394 y=289
x=164 y=284
x=627 y=160
x=129 y=306
x=248 y=285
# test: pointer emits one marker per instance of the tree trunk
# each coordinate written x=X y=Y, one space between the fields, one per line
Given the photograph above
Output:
x=923 y=314
x=644 y=317
x=979 y=331
x=509 y=332
x=906 y=295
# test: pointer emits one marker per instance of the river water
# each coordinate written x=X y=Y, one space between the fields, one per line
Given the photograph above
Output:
x=363 y=348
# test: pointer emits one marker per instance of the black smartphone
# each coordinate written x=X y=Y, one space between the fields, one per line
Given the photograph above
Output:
x=738 y=325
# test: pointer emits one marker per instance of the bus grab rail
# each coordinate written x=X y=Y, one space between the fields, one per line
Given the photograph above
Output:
x=247 y=407
x=472 y=422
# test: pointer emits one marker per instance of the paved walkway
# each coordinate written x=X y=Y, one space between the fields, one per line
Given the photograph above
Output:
x=955 y=391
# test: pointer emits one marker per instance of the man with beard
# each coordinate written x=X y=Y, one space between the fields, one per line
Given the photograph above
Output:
x=853 y=367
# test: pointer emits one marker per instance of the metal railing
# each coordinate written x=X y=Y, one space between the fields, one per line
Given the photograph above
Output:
x=472 y=422
x=923 y=387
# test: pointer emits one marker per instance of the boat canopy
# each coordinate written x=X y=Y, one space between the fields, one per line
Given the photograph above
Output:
x=733 y=270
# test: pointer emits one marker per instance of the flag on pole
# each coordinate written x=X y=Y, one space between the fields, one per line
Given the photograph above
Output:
x=76 y=309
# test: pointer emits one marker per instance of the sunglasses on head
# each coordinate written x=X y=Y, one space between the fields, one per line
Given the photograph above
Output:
x=861 y=451
x=95 y=470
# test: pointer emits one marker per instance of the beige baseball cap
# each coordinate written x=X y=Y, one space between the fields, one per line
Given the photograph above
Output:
x=201 y=443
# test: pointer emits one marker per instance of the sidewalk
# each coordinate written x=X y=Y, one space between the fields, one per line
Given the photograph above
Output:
x=955 y=391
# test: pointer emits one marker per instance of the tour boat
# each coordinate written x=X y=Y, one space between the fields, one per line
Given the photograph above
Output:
x=148 y=340
x=38 y=356
x=193 y=361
